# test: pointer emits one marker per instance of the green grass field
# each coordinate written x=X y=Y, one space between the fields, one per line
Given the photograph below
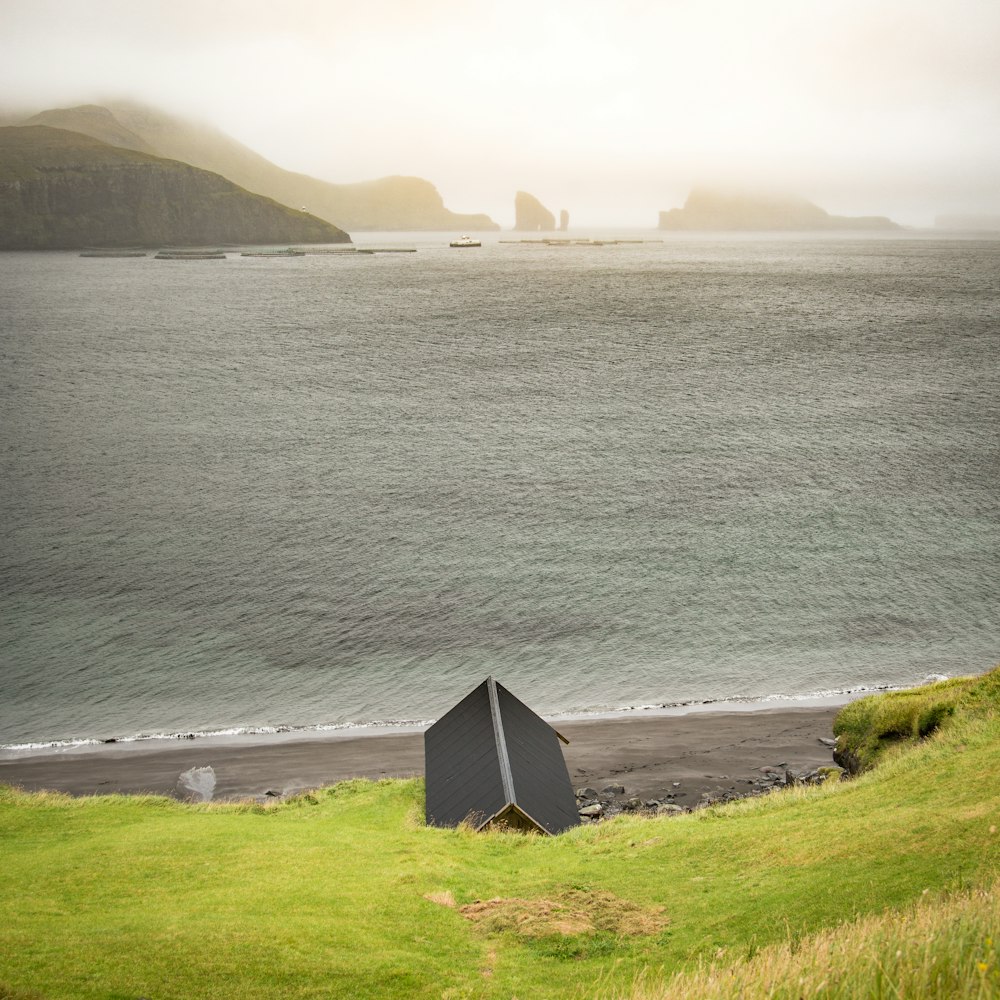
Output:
x=344 y=893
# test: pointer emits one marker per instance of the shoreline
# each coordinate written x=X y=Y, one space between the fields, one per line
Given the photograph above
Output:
x=683 y=756
x=265 y=733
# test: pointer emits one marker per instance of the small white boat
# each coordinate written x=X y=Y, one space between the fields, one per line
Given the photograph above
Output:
x=465 y=241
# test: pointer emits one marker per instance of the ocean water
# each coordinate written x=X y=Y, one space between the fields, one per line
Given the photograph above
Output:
x=337 y=490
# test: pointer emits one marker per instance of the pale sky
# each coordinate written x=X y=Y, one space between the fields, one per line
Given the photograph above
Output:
x=612 y=110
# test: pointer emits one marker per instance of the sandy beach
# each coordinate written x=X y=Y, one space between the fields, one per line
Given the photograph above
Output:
x=702 y=751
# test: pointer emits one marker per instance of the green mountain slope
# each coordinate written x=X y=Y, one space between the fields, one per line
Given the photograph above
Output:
x=64 y=190
x=390 y=203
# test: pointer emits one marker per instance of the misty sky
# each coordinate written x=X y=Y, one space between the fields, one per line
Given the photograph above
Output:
x=612 y=110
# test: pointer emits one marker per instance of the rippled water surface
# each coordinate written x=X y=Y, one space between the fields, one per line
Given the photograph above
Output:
x=315 y=490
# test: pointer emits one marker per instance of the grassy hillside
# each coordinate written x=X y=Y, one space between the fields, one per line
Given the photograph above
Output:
x=63 y=190
x=943 y=947
x=344 y=892
x=29 y=152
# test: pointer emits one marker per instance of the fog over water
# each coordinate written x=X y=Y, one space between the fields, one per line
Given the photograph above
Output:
x=610 y=111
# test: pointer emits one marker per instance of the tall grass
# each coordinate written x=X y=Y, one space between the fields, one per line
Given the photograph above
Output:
x=869 y=728
x=944 y=948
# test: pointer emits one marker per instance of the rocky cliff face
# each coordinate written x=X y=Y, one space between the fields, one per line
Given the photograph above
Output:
x=388 y=203
x=714 y=210
x=530 y=215
x=64 y=190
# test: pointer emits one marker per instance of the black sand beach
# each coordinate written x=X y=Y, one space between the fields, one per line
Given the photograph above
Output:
x=702 y=751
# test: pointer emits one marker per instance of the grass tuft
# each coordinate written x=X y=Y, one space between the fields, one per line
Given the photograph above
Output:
x=568 y=913
x=870 y=727
x=10 y=993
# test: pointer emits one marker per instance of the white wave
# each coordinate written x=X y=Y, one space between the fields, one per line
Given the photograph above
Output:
x=52 y=745
x=228 y=731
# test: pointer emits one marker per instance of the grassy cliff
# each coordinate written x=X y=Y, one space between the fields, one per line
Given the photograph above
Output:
x=881 y=886
x=872 y=729
x=65 y=190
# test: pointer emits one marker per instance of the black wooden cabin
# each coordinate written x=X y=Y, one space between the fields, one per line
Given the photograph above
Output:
x=490 y=760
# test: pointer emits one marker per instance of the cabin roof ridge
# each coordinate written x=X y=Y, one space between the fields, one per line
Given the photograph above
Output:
x=507 y=779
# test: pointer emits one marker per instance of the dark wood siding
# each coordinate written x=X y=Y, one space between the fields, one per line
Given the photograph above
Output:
x=541 y=780
x=461 y=764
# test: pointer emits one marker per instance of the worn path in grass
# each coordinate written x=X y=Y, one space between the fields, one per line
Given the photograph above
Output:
x=704 y=751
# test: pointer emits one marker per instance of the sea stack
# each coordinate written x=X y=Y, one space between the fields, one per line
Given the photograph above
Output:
x=563 y=220
x=530 y=215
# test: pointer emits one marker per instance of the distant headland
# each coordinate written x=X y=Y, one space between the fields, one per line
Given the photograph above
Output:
x=65 y=190
x=388 y=203
x=715 y=210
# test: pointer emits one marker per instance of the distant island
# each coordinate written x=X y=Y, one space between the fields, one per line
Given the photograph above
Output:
x=65 y=190
x=715 y=210
x=388 y=203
